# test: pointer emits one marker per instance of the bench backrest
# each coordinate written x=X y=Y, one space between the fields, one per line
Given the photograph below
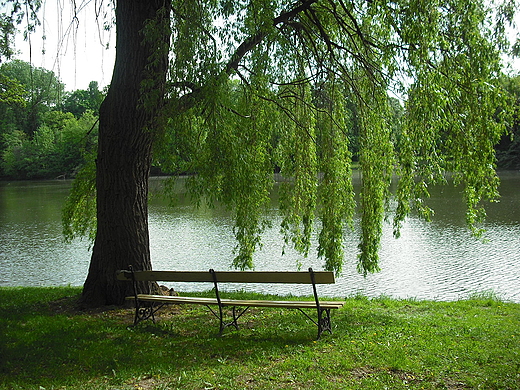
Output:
x=320 y=277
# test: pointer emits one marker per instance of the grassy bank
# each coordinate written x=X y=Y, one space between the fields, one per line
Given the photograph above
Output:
x=45 y=343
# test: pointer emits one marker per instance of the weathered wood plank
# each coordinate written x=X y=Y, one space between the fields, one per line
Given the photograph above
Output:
x=238 y=302
x=166 y=276
x=321 y=277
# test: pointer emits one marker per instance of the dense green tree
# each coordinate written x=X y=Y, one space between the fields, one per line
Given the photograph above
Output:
x=11 y=99
x=508 y=150
x=11 y=91
x=42 y=92
x=31 y=126
x=15 y=14
x=57 y=149
x=81 y=100
x=443 y=56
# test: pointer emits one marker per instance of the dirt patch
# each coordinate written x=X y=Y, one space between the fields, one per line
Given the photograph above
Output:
x=455 y=385
x=147 y=383
x=70 y=306
x=364 y=372
x=404 y=376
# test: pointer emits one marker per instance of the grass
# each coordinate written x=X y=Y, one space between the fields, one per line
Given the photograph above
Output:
x=45 y=343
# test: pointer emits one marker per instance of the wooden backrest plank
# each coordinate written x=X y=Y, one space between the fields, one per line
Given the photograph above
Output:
x=167 y=276
x=321 y=277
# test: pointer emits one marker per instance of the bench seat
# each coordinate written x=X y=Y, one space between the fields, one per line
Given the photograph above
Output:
x=236 y=302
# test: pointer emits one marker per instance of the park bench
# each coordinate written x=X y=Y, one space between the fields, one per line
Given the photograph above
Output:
x=146 y=305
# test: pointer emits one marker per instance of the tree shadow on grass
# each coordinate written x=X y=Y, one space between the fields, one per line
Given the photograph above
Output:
x=52 y=343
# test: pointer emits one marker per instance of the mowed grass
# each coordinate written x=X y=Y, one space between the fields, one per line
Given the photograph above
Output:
x=46 y=343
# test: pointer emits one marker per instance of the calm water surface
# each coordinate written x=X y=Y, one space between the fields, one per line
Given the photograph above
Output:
x=438 y=260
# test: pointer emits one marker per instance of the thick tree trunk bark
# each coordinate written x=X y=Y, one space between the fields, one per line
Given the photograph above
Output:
x=126 y=133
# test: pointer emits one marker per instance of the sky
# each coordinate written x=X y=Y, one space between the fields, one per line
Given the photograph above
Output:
x=75 y=45
x=79 y=50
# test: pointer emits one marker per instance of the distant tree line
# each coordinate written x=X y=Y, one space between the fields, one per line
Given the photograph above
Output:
x=508 y=150
x=45 y=132
x=48 y=133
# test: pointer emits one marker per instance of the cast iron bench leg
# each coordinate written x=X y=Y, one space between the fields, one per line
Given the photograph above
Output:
x=236 y=313
x=145 y=312
x=324 y=323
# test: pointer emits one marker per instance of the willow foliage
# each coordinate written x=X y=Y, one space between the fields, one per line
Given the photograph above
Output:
x=260 y=85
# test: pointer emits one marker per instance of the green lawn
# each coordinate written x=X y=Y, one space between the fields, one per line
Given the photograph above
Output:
x=45 y=343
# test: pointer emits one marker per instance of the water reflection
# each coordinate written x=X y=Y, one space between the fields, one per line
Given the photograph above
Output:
x=32 y=251
x=438 y=260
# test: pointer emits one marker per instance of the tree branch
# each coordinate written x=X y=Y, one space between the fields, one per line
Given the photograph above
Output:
x=254 y=40
x=188 y=100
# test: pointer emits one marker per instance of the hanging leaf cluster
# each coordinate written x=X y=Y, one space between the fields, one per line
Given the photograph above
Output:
x=302 y=89
x=269 y=86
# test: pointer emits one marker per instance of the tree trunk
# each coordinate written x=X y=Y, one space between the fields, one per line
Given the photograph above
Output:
x=126 y=132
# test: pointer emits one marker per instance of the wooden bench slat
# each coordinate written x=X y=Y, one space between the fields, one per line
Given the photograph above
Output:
x=237 y=302
x=283 y=304
x=321 y=277
x=167 y=276
x=248 y=302
x=175 y=299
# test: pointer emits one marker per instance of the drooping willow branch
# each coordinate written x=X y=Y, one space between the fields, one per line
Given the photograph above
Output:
x=187 y=101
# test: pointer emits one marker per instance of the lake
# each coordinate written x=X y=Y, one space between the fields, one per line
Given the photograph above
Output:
x=438 y=260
